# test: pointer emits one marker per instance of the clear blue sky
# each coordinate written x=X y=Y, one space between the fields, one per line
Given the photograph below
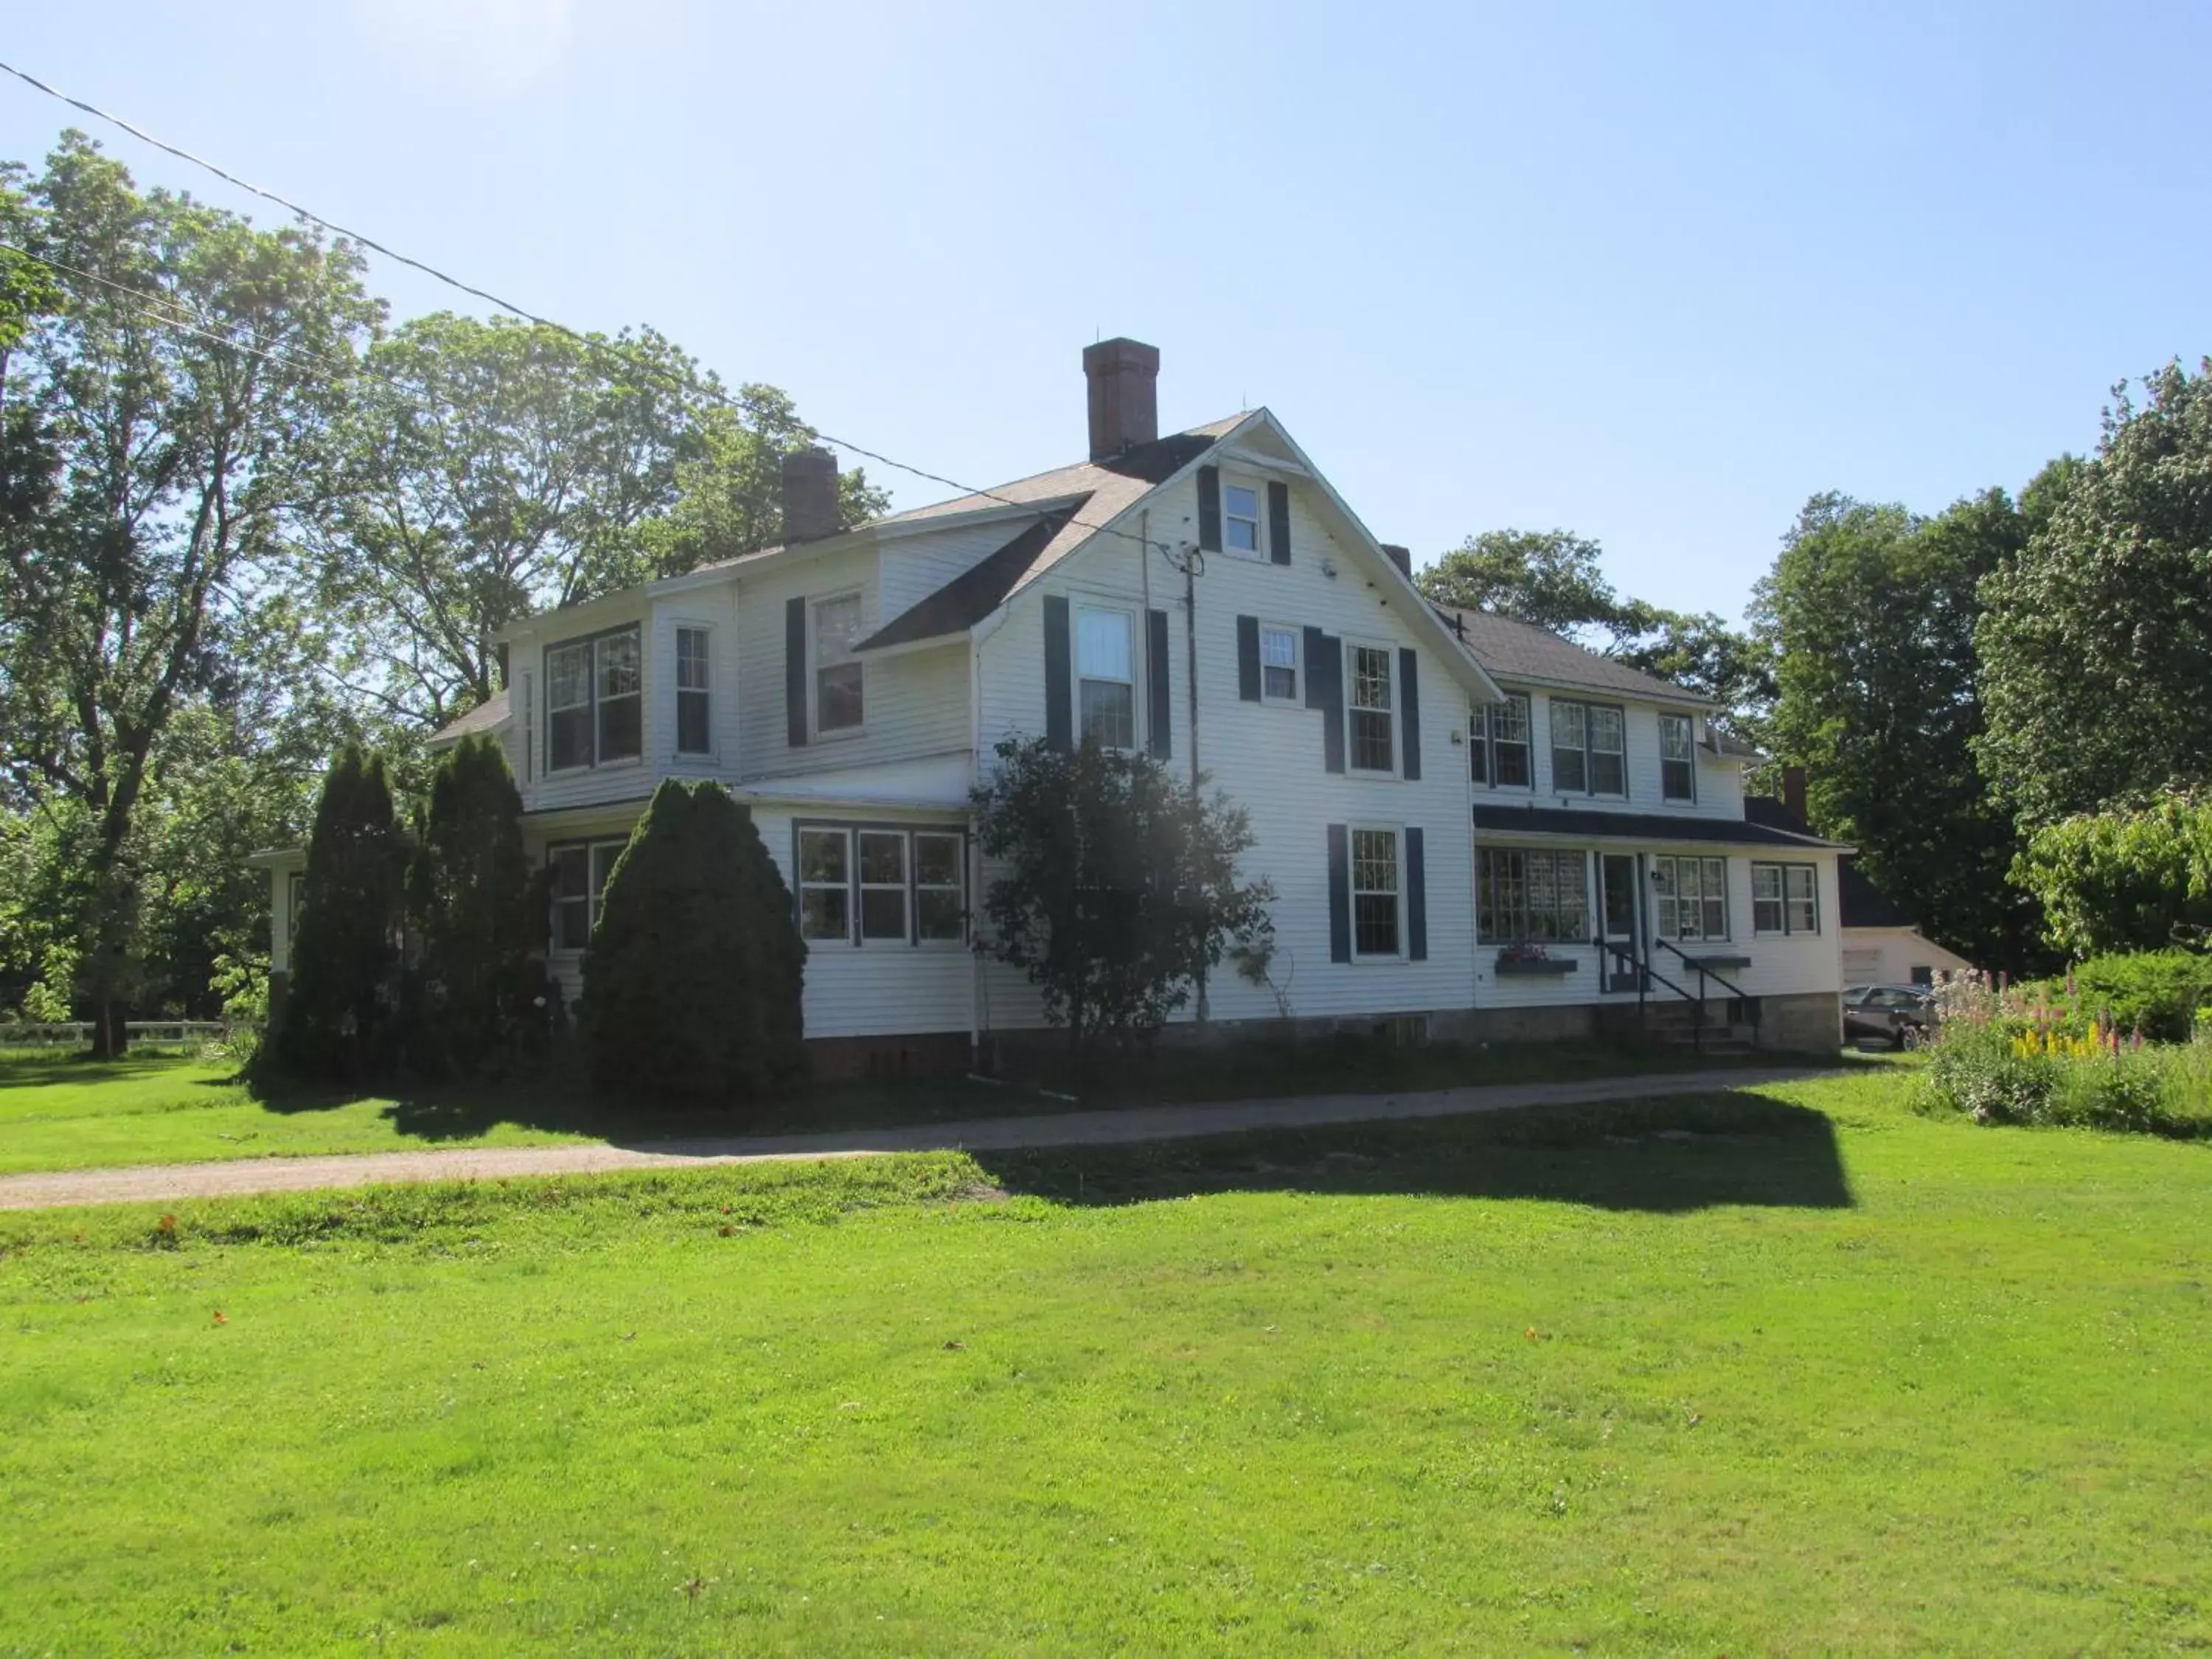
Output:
x=1652 y=273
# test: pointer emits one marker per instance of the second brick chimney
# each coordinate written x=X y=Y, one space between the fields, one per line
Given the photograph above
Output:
x=810 y=495
x=1125 y=401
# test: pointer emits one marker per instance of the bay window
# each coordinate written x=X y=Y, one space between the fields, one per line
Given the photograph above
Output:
x=594 y=701
x=694 y=725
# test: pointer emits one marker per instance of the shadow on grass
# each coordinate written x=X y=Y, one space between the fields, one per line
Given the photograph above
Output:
x=35 y=1069
x=1667 y=1155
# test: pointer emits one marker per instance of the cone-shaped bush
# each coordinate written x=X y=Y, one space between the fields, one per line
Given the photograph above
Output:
x=469 y=914
x=339 y=1016
x=692 y=982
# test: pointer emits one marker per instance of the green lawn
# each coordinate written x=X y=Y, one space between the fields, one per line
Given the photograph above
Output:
x=1783 y=1370
x=69 y=1113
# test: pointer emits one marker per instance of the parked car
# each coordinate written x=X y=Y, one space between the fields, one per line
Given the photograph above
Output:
x=1899 y=1015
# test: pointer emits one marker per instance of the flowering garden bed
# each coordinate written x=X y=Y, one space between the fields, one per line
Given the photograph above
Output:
x=2055 y=1054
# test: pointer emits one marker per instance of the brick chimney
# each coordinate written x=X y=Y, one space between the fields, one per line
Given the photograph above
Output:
x=1793 y=791
x=810 y=495
x=1125 y=401
x=1401 y=556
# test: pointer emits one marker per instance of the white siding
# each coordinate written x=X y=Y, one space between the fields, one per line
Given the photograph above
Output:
x=1800 y=962
x=715 y=609
x=588 y=786
x=1887 y=955
x=915 y=567
x=1269 y=757
x=1719 y=782
x=914 y=704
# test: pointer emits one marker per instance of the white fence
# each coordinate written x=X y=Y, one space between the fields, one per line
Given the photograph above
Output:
x=71 y=1033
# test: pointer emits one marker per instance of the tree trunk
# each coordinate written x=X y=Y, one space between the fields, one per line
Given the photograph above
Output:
x=110 y=1038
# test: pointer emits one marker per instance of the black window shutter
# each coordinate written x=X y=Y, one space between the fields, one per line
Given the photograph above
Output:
x=1325 y=691
x=1340 y=894
x=1409 y=694
x=1059 y=715
x=1247 y=658
x=794 y=672
x=1209 y=508
x=1278 y=523
x=1417 y=898
x=1158 y=705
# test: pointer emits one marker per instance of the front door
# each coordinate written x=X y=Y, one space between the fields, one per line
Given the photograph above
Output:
x=1618 y=907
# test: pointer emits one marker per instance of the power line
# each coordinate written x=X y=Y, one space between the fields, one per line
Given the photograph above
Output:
x=684 y=382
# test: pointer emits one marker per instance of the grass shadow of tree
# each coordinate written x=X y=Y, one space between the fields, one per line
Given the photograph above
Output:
x=1670 y=1155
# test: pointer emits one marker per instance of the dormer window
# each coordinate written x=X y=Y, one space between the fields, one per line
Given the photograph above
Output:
x=1240 y=518
x=594 y=701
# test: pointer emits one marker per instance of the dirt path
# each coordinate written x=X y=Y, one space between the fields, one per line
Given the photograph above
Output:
x=160 y=1183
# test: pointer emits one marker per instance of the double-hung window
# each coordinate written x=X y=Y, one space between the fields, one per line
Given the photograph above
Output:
x=861 y=884
x=1589 y=750
x=1678 y=758
x=1498 y=743
x=1373 y=726
x=1106 y=677
x=694 y=687
x=1533 y=894
x=594 y=701
x=1279 y=663
x=1376 y=918
x=838 y=704
x=580 y=871
x=1785 y=898
x=1690 y=897
x=1240 y=518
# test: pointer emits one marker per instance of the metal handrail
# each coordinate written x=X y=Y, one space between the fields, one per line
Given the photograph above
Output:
x=1646 y=972
x=1750 y=1002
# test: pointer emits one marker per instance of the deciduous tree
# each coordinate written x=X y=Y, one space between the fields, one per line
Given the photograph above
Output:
x=177 y=388
x=1120 y=888
x=2096 y=646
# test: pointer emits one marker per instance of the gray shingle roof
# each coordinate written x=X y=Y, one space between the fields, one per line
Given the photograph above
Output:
x=1514 y=650
x=976 y=591
x=487 y=716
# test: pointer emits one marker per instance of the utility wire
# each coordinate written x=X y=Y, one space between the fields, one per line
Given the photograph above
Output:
x=683 y=381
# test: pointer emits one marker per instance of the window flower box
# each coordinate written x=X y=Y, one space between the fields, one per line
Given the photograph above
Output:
x=1532 y=960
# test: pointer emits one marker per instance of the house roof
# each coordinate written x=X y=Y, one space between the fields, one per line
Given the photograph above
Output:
x=1729 y=746
x=976 y=591
x=1591 y=823
x=1516 y=650
x=487 y=716
x=1861 y=904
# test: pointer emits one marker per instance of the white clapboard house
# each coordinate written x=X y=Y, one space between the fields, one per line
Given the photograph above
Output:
x=1474 y=828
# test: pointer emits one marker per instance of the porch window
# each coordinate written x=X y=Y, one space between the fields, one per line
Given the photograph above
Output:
x=1374 y=738
x=1785 y=898
x=1690 y=898
x=1532 y=895
x=825 y=884
x=580 y=869
x=1678 y=766
x=866 y=885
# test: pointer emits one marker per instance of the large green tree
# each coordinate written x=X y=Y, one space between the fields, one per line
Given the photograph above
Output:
x=342 y=1014
x=178 y=387
x=485 y=470
x=2096 y=643
x=1869 y=614
x=1555 y=579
